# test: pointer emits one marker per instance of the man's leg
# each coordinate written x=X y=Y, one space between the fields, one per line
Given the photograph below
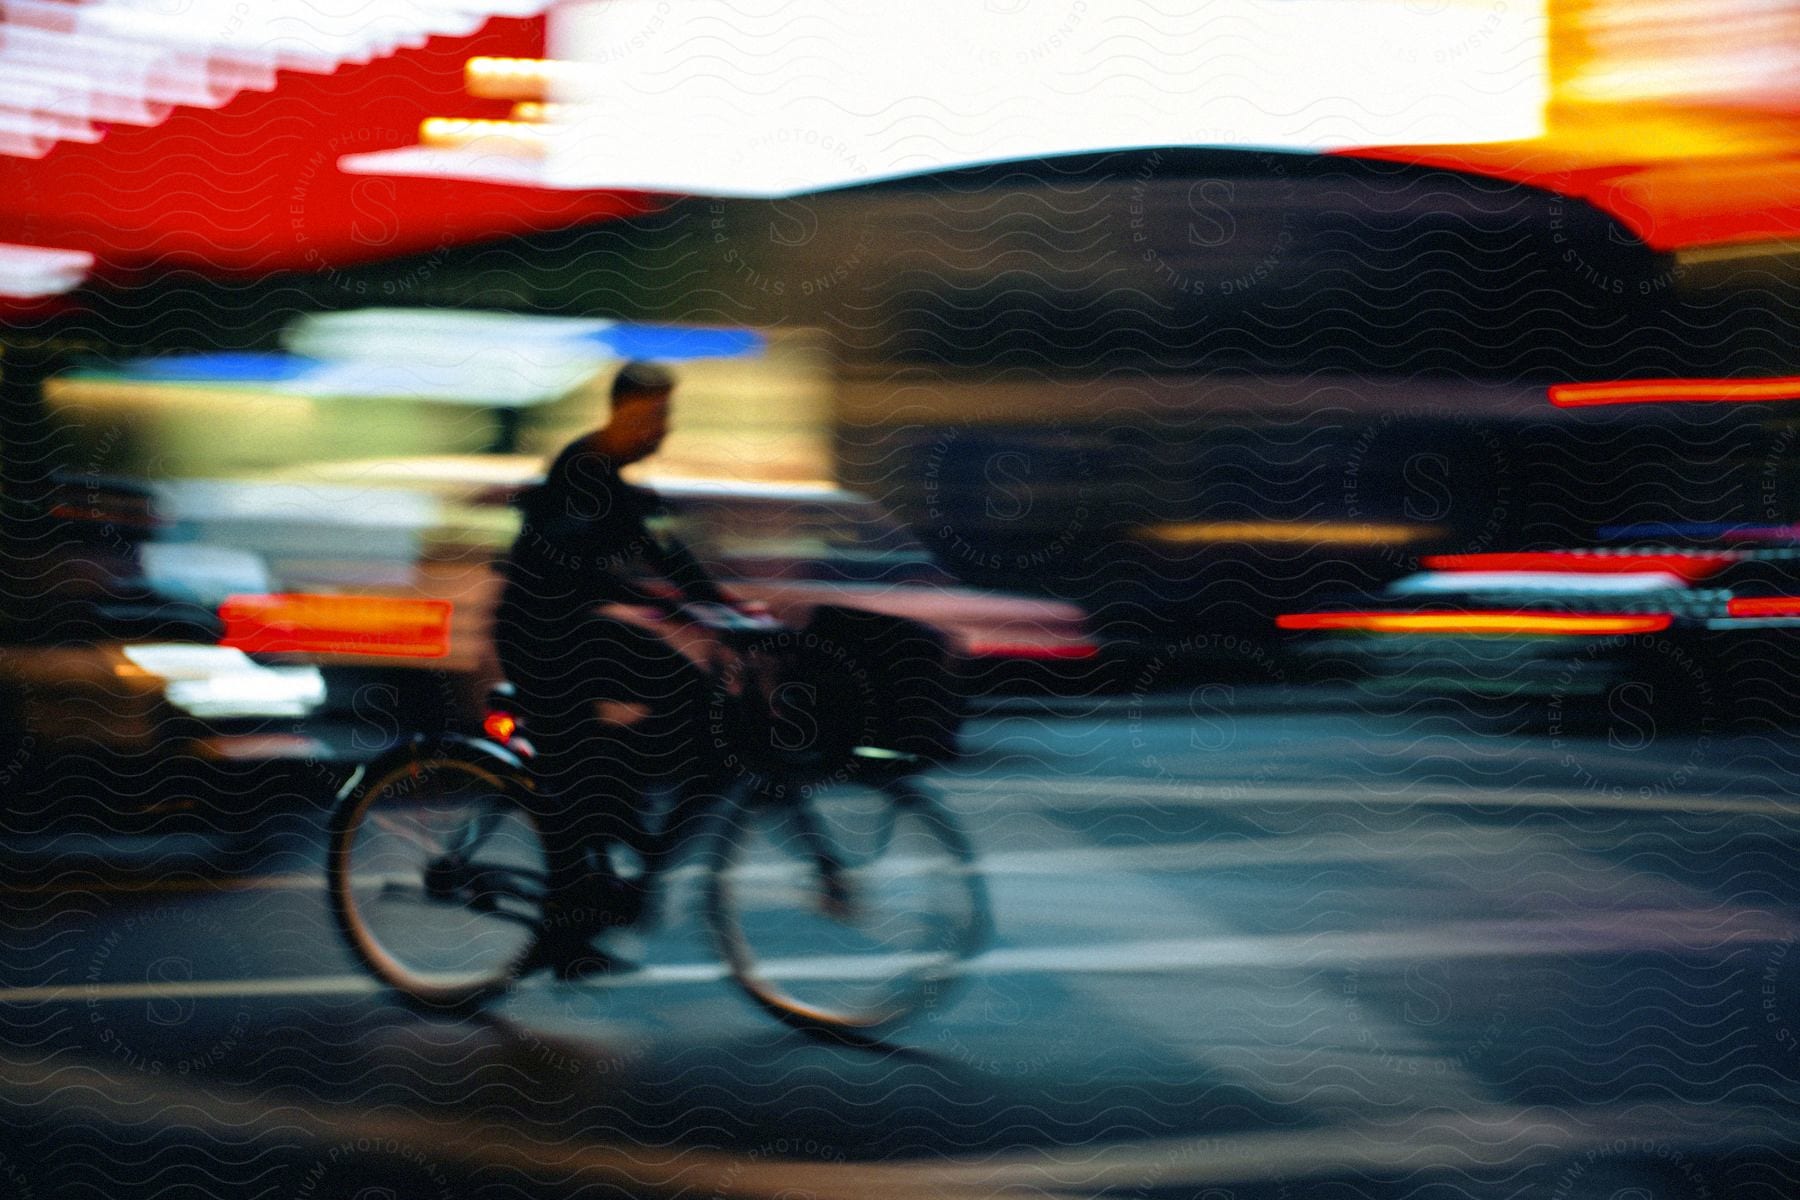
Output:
x=583 y=900
x=600 y=754
x=565 y=678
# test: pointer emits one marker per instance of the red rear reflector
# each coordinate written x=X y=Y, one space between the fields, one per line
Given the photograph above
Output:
x=1541 y=624
x=297 y=622
x=1688 y=566
x=1676 y=391
x=499 y=726
x=1763 y=606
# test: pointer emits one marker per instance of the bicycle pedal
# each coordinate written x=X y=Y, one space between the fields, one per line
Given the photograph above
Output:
x=839 y=903
x=589 y=963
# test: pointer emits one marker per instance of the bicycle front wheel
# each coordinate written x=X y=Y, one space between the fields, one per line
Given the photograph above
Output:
x=437 y=875
x=848 y=910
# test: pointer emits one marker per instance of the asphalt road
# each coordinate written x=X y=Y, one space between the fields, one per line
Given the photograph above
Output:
x=1246 y=949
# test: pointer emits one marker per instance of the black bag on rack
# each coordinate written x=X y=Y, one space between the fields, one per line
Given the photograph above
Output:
x=866 y=679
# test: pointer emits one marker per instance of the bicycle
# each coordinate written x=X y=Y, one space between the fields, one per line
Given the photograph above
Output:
x=839 y=893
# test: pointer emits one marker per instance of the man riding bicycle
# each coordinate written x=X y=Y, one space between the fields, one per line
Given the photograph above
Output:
x=614 y=707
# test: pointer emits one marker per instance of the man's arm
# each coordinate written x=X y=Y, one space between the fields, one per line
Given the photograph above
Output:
x=679 y=566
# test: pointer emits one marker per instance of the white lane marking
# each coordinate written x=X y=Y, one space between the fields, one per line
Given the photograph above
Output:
x=1367 y=846
x=1126 y=791
x=1682 y=930
x=1375 y=845
x=196 y=989
x=298 y=880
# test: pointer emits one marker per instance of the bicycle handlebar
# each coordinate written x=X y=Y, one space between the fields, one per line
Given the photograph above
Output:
x=725 y=619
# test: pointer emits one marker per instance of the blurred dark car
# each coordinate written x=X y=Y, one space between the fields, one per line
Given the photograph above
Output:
x=121 y=708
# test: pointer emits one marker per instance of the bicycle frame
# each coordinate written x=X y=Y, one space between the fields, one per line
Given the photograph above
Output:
x=722 y=814
x=698 y=807
x=744 y=712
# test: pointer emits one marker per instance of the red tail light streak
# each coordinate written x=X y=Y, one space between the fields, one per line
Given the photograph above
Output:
x=1676 y=391
x=1037 y=651
x=303 y=623
x=1690 y=567
x=1763 y=606
x=1530 y=623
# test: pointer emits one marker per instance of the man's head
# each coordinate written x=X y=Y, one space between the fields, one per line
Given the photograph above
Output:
x=640 y=413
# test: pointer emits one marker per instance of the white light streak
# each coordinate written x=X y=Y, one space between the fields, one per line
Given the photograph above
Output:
x=219 y=681
x=1557 y=582
x=470 y=357
x=133 y=61
x=32 y=272
x=740 y=97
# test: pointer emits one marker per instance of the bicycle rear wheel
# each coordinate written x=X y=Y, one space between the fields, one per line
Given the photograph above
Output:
x=437 y=875
x=849 y=911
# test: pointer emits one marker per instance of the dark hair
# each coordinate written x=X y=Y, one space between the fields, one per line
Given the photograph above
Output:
x=641 y=379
